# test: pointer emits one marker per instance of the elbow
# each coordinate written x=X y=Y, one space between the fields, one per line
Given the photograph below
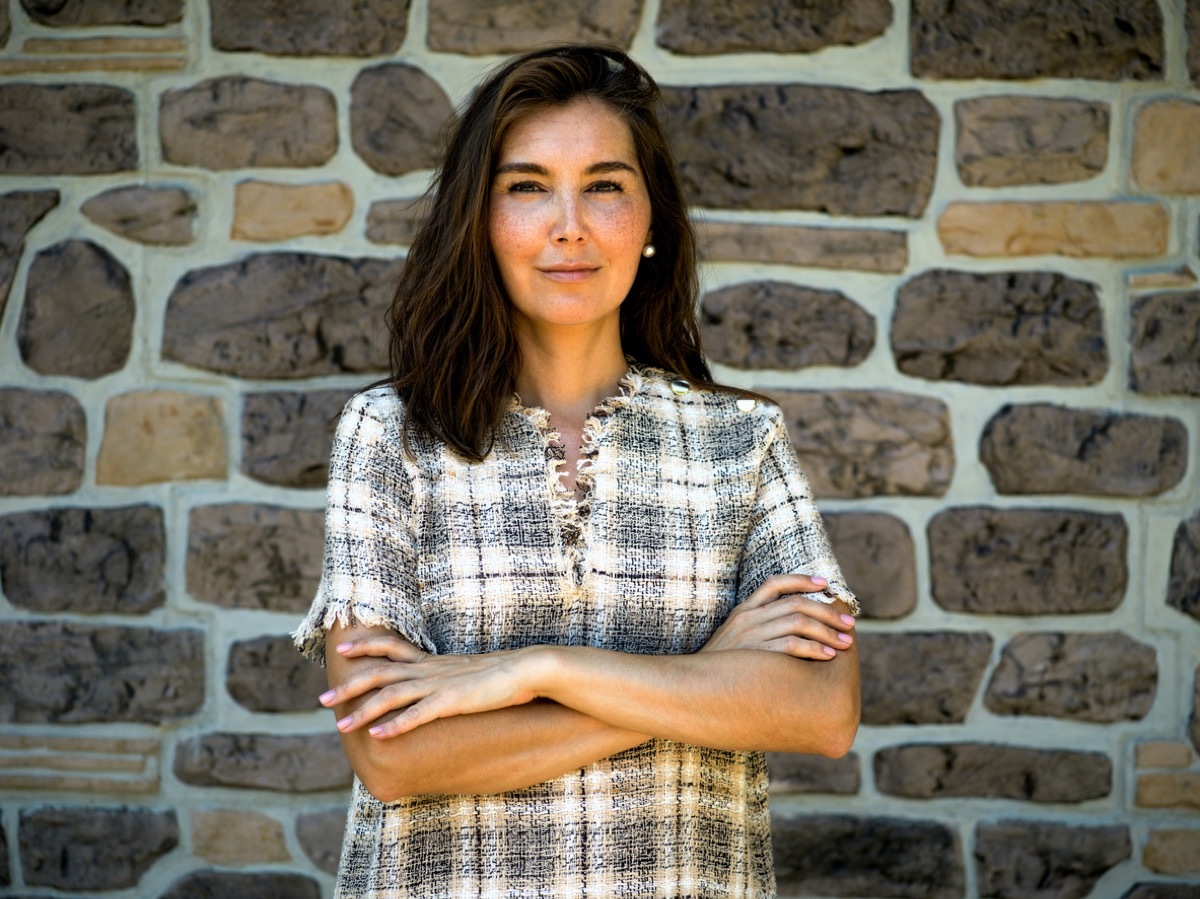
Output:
x=378 y=778
x=840 y=726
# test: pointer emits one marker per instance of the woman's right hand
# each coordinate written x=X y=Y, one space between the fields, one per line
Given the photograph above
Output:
x=777 y=618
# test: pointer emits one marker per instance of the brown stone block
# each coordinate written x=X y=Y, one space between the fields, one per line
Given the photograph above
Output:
x=72 y=46
x=1194 y=728
x=1178 y=276
x=244 y=556
x=999 y=328
x=56 y=765
x=1162 y=891
x=704 y=27
x=67 y=64
x=1180 y=790
x=267 y=211
x=1173 y=851
x=795 y=773
x=794 y=146
x=1046 y=860
x=1115 y=40
x=991 y=771
x=5 y=31
x=773 y=324
x=1193 y=54
x=237 y=837
x=87 y=848
x=1183 y=589
x=320 y=835
x=1163 y=754
x=397 y=118
x=862 y=249
x=875 y=552
x=43 y=434
x=1165 y=334
x=267 y=674
x=73 y=13
x=310 y=27
x=237 y=122
x=1042 y=448
x=1088 y=228
x=1027 y=561
x=66 y=129
x=842 y=855
x=160 y=216
x=1166 y=147
x=282 y=315
x=154 y=436
x=287 y=435
x=1102 y=678
x=296 y=763
x=511 y=26
x=855 y=443
x=1002 y=141
x=396 y=221
x=78 y=314
x=84 y=560
x=921 y=678
x=250 y=885
x=20 y=210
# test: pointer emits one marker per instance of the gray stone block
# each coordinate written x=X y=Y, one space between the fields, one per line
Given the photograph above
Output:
x=1183 y=589
x=876 y=554
x=397 y=118
x=296 y=763
x=243 y=885
x=43 y=435
x=921 y=678
x=310 y=27
x=67 y=129
x=160 y=216
x=1165 y=334
x=703 y=27
x=268 y=674
x=792 y=772
x=320 y=835
x=512 y=26
x=286 y=435
x=20 y=210
x=1046 y=860
x=72 y=13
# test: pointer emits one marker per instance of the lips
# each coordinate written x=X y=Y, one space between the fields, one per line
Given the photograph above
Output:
x=568 y=272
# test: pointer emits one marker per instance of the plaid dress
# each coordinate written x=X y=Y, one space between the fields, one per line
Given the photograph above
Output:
x=686 y=500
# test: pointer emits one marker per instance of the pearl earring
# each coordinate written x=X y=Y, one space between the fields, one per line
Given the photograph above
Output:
x=648 y=250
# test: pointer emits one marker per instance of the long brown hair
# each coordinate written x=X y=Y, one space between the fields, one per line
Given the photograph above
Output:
x=454 y=353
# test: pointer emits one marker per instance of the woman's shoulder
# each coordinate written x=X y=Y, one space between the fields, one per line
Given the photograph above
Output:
x=716 y=405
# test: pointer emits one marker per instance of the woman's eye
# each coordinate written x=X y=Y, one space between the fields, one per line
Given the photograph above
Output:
x=607 y=187
x=524 y=187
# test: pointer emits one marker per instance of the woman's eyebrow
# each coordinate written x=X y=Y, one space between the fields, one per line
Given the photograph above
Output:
x=532 y=168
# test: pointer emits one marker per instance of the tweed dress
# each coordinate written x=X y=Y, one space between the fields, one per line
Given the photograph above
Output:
x=686 y=500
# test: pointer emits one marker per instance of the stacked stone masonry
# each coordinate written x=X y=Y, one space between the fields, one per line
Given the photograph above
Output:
x=957 y=242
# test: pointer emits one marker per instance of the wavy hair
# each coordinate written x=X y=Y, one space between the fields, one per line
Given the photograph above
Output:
x=454 y=353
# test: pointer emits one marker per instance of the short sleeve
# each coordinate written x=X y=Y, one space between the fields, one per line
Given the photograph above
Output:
x=368 y=576
x=786 y=535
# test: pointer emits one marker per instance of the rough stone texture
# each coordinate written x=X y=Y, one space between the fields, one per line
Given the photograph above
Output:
x=999 y=328
x=396 y=221
x=1183 y=591
x=1193 y=57
x=78 y=314
x=310 y=27
x=701 y=27
x=225 y=884
x=320 y=835
x=296 y=763
x=1165 y=336
x=856 y=443
x=20 y=210
x=5 y=30
x=1046 y=860
x=1166 y=147
x=1027 y=561
x=74 y=673
x=510 y=26
x=1002 y=141
x=160 y=216
x=1088 y=228
x=267 y=211
x=235 y=122
x=268 y=675
x=152 y=436
x=1163 y=754
x=43 y=435
x=773 y=324
x=943 y=770
x=1102 y=678
x=282 y=315
x=841 y=855
x=1194 y=725
x=244 y=556
x=70 y=13
x=237 y=837
x=93 y=848
x=921 y=678
x=1043 y=448
x=397 y=118
x=1162 y=891
x=66 y=129
x=1173 y=851
x=789 y=146
x=1107 y=40
x=286 y=436
x=796 y=773
x=1177 y=790
x=862 y=249
x=94 y=561
x=876 y=554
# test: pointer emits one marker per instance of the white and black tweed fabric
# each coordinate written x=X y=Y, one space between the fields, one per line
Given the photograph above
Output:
x=684 y=505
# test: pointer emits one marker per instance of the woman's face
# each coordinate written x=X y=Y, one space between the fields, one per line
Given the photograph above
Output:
x=568 y=216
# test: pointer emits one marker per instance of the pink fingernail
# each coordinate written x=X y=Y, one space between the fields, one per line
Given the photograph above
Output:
x=326 y=698
x=845 y=638
x=342 y=647
x=343 y=724
x=848 y=620
x=376 y=730
x=820 y=581
x=829 y=650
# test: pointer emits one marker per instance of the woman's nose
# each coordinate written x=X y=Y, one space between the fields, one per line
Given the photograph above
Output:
x=569 y=225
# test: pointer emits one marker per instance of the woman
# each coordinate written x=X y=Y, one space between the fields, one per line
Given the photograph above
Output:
x=558 y=606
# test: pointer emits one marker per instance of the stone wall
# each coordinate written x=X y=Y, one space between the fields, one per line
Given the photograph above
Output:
x=958 y=241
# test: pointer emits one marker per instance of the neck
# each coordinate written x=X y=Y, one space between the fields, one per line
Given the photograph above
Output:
x=570 y=379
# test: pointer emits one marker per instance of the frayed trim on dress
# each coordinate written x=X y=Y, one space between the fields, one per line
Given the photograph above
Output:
x=310 y=637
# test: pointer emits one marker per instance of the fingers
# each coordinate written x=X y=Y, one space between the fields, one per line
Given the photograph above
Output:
x=383 y=646
x=781 y=584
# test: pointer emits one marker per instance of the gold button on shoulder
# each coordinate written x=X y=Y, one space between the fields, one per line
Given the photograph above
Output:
x=746 y=403
x=679 y=387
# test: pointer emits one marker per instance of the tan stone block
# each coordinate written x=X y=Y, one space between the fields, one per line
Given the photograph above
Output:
x=1173 y=851
x=237 y=837
x=1181 y=276
x=1166 y=147
x=867 y=250
x=1164 y=754
x=96 y=45
x=64 y=64
x=1080 y=229
x=1169 y=790
x=57 y=784
x=157 y=435
x=267 y=211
